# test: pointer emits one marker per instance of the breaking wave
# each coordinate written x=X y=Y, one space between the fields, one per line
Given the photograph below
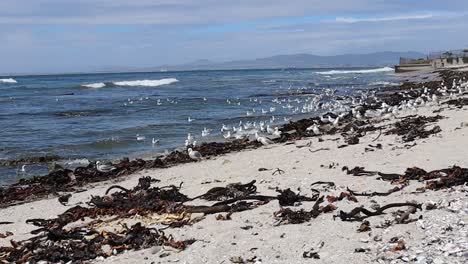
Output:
x=94 y=85
x=384 y=69
x=149 y=83
x=9 y=80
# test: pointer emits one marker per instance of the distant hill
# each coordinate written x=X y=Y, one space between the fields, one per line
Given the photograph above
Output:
x=387 y=58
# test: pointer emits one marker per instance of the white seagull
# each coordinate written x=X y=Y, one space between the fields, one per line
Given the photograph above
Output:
x=104 y=167
x=195 y=155
x=265 y=141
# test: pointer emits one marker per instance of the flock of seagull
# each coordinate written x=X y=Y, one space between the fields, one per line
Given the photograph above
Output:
x=265 y=129
x=264 y=133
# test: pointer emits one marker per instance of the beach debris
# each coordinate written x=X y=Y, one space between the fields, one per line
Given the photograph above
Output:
x=237 y=259
x=317 y=150
x=361 y=250
x=364 y=227
x=400 y=245
x=343 y=195
x=414 y=127
x=233 y=190
x=358 y=171
x=289 y=216
x=6 y=234
x=311 y=254
x=226 y=217
x=395 y=189
x=63 y=199
x=279 y=171
x=355 y=214
x=403 y=217
x=82 y=244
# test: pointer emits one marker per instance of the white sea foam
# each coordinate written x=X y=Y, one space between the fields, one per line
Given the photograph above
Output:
x=384 y=83
x=149 y=83
x=94 y=85
x=9 y=80
x=384 y=69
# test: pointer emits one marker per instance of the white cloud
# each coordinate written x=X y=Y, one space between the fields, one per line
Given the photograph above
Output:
x=383 y=19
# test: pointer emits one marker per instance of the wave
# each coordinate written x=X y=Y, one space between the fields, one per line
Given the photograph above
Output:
x=384 y=69
x=384 y=83
x=94 y=85
x=9 y=80
x=148 y=83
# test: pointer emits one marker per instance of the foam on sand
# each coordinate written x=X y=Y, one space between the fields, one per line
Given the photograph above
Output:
x=148 y=83
x=384 y=69
x=94 y=85
x=9 y=80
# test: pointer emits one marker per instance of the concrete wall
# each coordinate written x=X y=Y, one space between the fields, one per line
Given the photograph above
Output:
x=413 y=67
x=441 y=63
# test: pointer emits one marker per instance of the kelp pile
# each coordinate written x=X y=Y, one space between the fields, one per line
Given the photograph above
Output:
x=55 y=241
x=411 y=128
x=414 y=127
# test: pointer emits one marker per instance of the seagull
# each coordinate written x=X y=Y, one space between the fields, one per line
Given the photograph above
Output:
x=140 y=138
x=315 y=129
x=277 y=133
x=265 y=141
x=336 y=122
x=104 y=167
x=227 y=135
x=195 y=155
x=206 y=132
x=154 y=141
x=190 y=120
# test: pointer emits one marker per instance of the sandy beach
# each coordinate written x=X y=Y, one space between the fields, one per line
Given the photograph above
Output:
x=435 y=234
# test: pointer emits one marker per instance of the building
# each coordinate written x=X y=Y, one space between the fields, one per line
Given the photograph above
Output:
x=435 y=60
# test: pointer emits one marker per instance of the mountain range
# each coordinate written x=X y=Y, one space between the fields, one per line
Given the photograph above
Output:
x=387 y=58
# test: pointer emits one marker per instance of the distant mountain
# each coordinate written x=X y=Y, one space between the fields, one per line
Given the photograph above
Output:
x=387 y=58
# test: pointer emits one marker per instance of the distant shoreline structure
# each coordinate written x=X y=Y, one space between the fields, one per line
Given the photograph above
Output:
x=434 y=61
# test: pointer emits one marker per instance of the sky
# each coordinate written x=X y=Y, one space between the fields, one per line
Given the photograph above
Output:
x=40 y=36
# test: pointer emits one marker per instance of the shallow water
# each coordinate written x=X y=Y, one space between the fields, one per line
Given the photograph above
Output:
x=98 y=116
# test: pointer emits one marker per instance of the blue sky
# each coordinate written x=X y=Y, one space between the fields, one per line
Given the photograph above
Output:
x=87 y=35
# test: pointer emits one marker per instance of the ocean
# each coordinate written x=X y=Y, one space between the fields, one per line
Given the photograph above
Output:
x=111 y=115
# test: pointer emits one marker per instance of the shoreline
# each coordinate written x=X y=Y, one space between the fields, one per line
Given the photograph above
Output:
x=300 y=164
x=215 y=148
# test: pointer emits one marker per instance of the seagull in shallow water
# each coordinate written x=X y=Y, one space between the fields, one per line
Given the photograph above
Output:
x=104 y=167
x=154 y=141
x=193 y=154
x=140 y=138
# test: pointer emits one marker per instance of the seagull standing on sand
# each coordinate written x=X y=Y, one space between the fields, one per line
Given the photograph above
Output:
x=193 y=154
x=315 y=129
x=104 y=167
x=265 y=141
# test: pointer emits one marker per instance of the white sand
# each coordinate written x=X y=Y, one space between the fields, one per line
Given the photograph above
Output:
x=218 y=241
